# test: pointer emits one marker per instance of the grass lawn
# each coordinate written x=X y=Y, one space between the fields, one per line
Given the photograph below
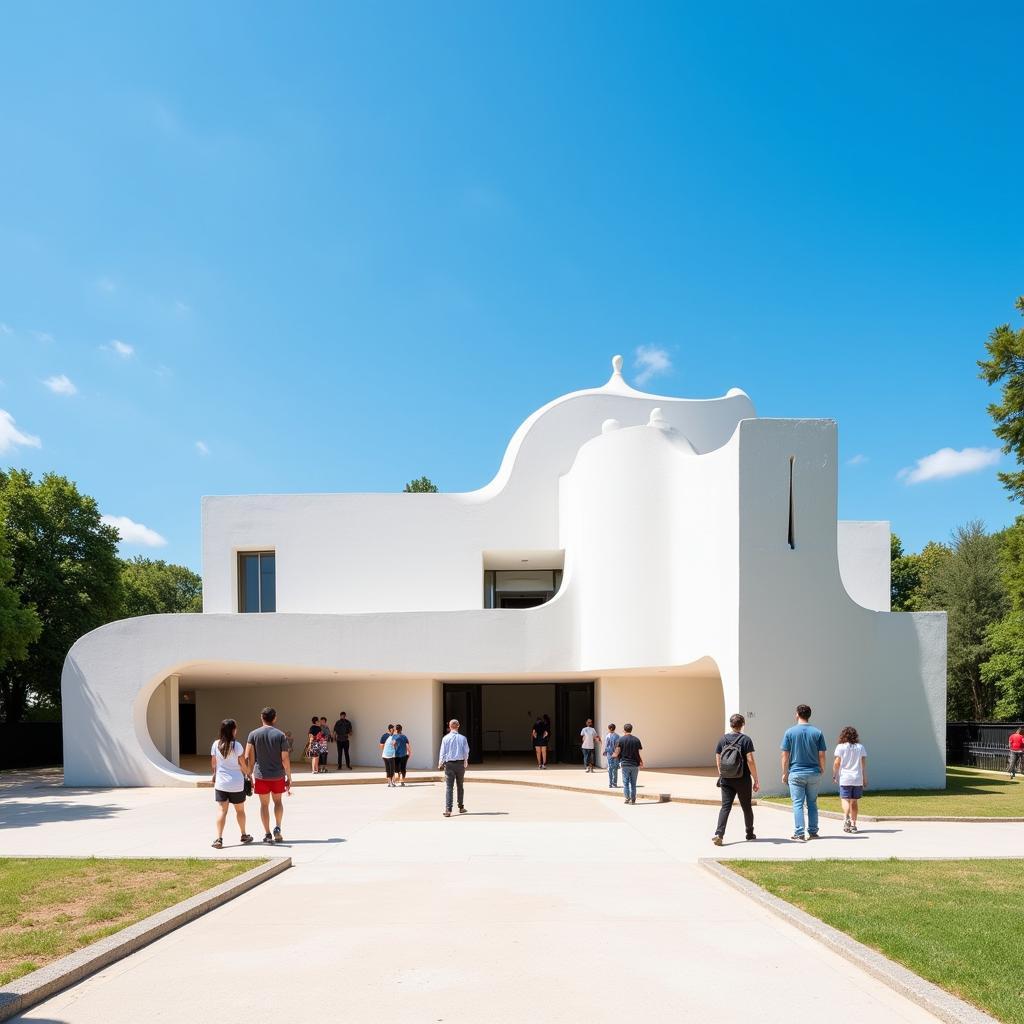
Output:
x=949 y=921
x=969 y=792
x=51 y=907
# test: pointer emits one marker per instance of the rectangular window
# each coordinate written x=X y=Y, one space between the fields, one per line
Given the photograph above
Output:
x=257 y=584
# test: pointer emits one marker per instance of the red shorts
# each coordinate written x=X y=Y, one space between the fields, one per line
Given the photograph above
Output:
x=268 y=786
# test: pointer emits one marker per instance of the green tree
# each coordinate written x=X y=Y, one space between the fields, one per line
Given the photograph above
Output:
x=1005 y=365
x=904 y=576
x=1003 y=672
x=422 y=485
x=65 y=565
x=153 y=587
x=19 y=625
x=966 y=581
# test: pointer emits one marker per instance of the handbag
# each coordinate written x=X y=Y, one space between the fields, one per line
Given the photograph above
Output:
x=247 y=787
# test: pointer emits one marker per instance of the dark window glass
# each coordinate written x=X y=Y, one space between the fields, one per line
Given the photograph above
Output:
x=268 y=585
x=249 y=585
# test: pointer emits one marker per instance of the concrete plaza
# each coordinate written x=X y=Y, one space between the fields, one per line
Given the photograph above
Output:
x=543 y=904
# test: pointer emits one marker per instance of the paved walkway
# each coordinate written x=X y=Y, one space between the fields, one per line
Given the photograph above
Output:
x=552 y=905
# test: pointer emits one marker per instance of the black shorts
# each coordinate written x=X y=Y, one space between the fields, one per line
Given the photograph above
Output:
x=232 y=798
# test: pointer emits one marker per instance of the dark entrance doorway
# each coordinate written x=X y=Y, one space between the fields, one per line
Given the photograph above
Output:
x=497 y=727
x=186 y=730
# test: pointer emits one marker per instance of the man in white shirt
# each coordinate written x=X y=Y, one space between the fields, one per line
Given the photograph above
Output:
x=588 y=740
x=453 y=759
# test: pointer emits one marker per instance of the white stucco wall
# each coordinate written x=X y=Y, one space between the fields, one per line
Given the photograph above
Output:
x=676 y=551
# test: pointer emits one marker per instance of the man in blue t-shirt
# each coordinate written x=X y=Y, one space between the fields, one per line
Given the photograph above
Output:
x=803 y=761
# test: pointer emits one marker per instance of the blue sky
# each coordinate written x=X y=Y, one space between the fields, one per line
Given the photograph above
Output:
x=333 y=247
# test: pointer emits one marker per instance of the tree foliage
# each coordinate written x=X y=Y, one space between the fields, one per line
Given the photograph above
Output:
x=966 y=581
x=1005 y=365
x=153 y=587
x=65 y=564
x=421 y=485
x=1003 y=672
x=19 y=624
x=904 y=576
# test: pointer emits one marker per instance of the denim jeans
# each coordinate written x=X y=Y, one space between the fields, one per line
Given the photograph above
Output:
x=629 y=774
x=588 y=757
x=613 y=770
x=803 y=789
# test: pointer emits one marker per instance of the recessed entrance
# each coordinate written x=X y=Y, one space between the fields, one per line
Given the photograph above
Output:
x=497 y=718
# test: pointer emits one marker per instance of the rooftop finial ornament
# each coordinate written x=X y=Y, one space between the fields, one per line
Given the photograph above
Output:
x=617 y=366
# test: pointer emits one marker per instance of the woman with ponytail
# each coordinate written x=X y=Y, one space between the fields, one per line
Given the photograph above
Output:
x=229 y=767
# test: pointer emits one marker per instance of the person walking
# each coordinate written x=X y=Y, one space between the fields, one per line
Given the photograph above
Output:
x=267 y=750
x=230 y=770
x=325 y=739
x=1016 y=743
x=588 y=741
x=453 y=760
x=343 y=736
x=384 y=736
x=737 y=777
x=611 y=741
x=630 y=761
x=539 y=735
x=403 y=751
x=803 y=763
x=850 y=770
x=313 y=744
x=387 y=751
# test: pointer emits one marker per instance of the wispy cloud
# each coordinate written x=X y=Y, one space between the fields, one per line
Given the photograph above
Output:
x=6 y=329
x=42 y=337
x=181 y=308
x=947 y=463
x=651 y=361
x=135 y=534
x=106 y=284
x=857 y=460
x=61 y=385
x=11 y=437
x=202 y=447
x=121 y=348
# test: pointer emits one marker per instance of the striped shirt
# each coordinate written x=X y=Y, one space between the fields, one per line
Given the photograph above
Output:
x=454 y=747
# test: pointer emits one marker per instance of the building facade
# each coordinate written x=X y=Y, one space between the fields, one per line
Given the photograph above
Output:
x=660 y=560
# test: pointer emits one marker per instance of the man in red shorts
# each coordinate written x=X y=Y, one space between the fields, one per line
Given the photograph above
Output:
x=267 y=747
x=1016 y=752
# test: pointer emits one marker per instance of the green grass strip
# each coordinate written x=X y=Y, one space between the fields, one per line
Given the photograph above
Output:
x=953 y=922
x=49 y=907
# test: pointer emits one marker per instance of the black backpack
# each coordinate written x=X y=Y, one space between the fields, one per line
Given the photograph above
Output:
x=731 y=760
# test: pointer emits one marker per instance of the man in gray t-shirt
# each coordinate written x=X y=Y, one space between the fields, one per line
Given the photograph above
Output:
x=267 y=749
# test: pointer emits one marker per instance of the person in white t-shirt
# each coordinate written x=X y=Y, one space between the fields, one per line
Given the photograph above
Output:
x=850 y=770
x=588 y=740
x=230 y=769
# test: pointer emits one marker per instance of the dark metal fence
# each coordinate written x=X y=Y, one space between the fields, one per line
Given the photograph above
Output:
x=31 y=744
x=979 y=744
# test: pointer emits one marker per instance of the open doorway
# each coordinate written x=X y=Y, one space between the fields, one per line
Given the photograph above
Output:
x=497 y=718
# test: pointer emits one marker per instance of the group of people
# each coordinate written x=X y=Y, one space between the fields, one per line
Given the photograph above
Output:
x=320 y=735
x=803 y=756
x=395 y=749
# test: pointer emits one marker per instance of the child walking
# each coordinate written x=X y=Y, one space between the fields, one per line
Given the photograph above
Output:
x=850 y=770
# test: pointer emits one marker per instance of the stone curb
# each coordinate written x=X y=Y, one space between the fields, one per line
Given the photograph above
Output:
x=889 y=817
x=20 y=995
x=935 y=1000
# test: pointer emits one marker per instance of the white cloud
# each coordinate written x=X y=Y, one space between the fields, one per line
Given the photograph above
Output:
x=121 y=348
x=60 y=385
x=6 y=329
x=43 y=337
x=134 y=533
x=11 y=437
x=857 y=460
x=202 y=448
x=181 y=307
x=948 y=462
x=651 y=361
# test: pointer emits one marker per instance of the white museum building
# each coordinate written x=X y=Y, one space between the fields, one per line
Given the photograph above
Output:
x=664 y=561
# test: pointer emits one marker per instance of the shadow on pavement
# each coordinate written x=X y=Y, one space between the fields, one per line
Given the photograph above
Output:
x=22 y=814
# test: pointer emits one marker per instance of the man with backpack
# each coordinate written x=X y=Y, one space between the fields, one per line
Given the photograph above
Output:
x=737 y=776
